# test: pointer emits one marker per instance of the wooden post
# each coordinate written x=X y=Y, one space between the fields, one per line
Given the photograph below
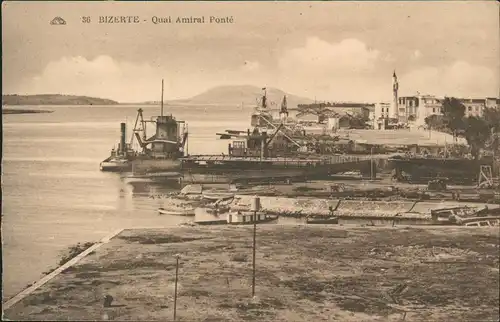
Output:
x=371 y=163
x=175 y=291
x=255 y=207
x=254 y=242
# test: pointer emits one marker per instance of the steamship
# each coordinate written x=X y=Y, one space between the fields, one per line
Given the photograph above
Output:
x=120 y=159
x=161 y=150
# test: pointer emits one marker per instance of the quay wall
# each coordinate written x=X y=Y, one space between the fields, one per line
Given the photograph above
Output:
x=348 y=208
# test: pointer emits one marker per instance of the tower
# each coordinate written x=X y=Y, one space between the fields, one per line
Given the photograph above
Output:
x=395 y=86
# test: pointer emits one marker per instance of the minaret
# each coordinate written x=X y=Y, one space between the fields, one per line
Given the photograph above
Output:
x=395 y=86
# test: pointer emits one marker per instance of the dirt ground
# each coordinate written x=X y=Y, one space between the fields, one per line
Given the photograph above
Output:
x=303 y=273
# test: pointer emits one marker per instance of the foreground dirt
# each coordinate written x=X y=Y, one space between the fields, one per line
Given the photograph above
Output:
x=303 y=274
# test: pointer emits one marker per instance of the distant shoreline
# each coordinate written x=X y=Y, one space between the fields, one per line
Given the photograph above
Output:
x=53 y=99
x=23 y=111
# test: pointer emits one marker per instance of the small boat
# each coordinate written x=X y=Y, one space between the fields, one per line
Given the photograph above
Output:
x=119 y=160
x=248 y=218
x=161 y=177
x=212 y=222
x=448 y=216
x=322 y=220
x=218 y=195
x=466 y=216
x=481 y=221
x=163 y=211
x=217 y=210
x=115 y=165
x=236 y=218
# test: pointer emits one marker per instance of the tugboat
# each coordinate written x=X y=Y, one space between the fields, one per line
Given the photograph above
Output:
x=120 y=159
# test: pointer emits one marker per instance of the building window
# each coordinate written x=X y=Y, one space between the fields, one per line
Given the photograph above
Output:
x=470 y=108
x=433 y=110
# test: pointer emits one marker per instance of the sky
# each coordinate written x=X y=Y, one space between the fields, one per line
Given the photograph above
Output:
x=336 y=51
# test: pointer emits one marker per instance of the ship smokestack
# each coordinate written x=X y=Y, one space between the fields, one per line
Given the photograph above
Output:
x=123 y=149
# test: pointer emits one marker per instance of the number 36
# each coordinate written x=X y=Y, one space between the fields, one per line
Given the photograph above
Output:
x=86 y=19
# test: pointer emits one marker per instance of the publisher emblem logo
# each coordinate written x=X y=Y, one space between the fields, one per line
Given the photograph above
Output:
x=58 y=21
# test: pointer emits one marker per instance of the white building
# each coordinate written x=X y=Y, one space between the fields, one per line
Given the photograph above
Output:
x=474 y=107
x=382 y=112
x=417 y=108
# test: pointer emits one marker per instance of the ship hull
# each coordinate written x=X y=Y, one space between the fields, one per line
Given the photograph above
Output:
x=142 y=166
x=424 y=169
x=248 y=173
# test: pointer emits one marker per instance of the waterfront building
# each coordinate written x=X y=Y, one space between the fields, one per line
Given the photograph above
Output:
x=353 y=109
x=492 y=102
x=382 y=114
x=307 y=116
x=474 y=107
x=417 y=108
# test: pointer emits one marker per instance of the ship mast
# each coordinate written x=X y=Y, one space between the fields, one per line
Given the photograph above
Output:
x=162 y=97
x=264 y=98
x=284 y=107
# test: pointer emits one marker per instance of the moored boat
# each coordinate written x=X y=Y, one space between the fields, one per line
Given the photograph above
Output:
x=120 y=160
x=492 y=221
x=113 y=164
x=322 y=220
x=466 y=216
x=248 y=218
x=217 y=210
x=447 y=216
x=235 y=218
x=218 y=195
x=177 y=212
x=158 y=153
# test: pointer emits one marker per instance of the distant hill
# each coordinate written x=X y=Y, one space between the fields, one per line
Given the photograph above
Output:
x=54 y=99
x=246 y=94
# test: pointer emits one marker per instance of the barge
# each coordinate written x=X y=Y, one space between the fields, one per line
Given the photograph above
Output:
x=417 y=169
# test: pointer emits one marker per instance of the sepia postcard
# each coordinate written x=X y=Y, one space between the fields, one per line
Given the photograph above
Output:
x=250 y=160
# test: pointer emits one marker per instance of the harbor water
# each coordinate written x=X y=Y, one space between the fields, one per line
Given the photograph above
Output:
x=54 y=195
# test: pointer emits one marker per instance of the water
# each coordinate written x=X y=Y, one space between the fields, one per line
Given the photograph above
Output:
x=54 y=195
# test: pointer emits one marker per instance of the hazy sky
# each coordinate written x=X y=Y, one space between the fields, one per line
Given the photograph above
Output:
x=331 y=51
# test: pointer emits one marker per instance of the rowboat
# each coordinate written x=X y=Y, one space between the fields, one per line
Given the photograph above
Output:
x=163 y=211
x=322 y=220
x=218 y=195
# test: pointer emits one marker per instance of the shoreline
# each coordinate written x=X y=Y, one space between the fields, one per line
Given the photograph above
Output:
x=303 y=273
x=23 y=111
